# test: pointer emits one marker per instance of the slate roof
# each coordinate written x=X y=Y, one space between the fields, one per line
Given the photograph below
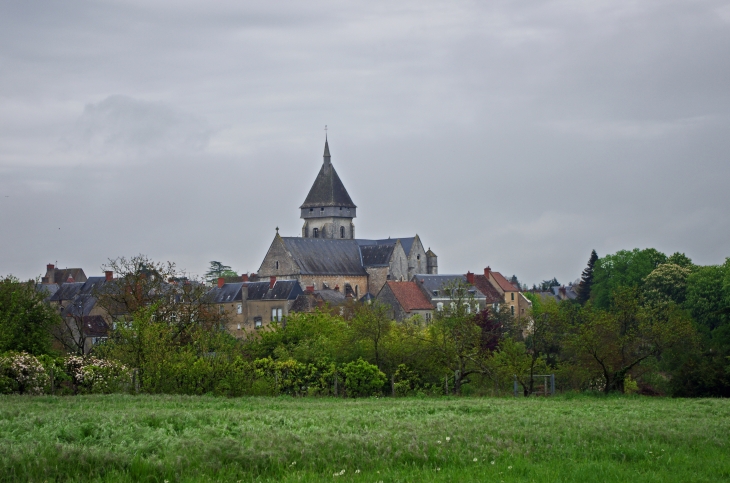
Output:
x=324 y=256
x=229 y=292
x=437 y=283
x=282 y=290
x=376 y=255
x=503 y=283
x=327 y=189
x=60 y=275
x=406 y=243
x=47 y=289
x=409 y=296
x=485 y=286
x=333 y=297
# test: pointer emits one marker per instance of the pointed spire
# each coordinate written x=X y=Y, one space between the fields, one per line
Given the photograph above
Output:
x=326 y=147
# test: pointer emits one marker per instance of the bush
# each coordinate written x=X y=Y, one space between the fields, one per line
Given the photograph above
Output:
x=362 y=379
x=22 y=373
x=90 y=375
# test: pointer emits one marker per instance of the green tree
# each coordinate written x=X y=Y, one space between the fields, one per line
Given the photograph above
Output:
x=542 y=333
x=371 y=325
x=616 y=341
x=26 y=320
x=586 y=280
x=622 y=269
x=217 y=270
x=667 y=282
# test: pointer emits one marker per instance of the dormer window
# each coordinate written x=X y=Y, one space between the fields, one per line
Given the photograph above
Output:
x=436 y=293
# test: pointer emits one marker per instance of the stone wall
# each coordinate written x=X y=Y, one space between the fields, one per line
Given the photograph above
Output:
x=278 y=262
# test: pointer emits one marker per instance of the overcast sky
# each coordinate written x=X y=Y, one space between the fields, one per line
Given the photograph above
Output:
x=519 y=135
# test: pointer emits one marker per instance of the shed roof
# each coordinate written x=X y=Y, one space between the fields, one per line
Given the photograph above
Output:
x=409 y=296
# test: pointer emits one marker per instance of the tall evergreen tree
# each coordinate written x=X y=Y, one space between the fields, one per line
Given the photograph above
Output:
x=586 y=280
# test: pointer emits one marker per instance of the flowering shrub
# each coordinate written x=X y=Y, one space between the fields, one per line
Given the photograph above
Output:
x=363 y=379
x=98 y=376
x=22 y=373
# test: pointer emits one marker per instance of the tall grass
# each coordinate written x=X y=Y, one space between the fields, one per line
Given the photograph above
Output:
x=185 y=438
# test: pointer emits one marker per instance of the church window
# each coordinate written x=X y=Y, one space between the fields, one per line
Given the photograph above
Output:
x=418 y=257
x=277 y=264
x=342 y=232
x=321 y=210
x=315 y=232
x=311 y=210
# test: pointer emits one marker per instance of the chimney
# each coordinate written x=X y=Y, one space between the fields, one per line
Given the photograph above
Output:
x=337 y=288
x=109 y=275
x=272 y=281
x=221 y=281
x=310 y=288
x=50 y=267
x=469 y=277
x=244 y=277
x=486 y=272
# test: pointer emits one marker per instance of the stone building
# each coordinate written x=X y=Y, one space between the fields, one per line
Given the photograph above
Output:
x=405 y=299
x=328 y=256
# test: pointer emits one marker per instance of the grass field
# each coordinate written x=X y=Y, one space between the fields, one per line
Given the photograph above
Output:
x=176 y=438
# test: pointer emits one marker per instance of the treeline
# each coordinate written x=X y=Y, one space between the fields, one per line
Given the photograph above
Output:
x=643 y=322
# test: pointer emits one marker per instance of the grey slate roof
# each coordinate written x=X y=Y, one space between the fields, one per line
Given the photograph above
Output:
x=282 y=290
x=47 y=289
x=328 y=189
x=324 y=256
x=229 y=292
x=435 y=284
x=376 y=255
x=406 y=243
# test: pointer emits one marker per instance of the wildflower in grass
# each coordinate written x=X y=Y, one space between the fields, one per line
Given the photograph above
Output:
x=475 y=460
x=509 y=467
x=357 y=471
x=448 y=438
x=438 y=469
x=438 y=442
x=492 y=462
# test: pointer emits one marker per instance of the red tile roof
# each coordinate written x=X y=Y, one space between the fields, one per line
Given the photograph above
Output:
x=484 y=286
x=503 y=283
x=409 y=296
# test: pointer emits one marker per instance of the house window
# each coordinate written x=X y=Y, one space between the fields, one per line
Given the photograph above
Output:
x=276 y=315
x=257 y=322
x=316 y=232
x=440 y=306
x=428 y=317
x=220 y=309
x=342 y=232
x=239 y=327
x=513 y=309
x=239 y=310
x=513 y=295
x=468 y=308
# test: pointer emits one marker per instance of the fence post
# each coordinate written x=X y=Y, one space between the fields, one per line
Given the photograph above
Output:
x=552 y=384
x=544 y=386
x=515 y=385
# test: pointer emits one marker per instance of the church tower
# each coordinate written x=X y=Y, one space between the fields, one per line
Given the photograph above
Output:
x=328 y=210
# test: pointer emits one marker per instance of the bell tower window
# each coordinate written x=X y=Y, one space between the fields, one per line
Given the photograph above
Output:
x=342 y=232
x=315 y=232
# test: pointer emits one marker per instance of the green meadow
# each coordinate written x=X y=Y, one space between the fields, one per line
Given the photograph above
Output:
x=186 y=438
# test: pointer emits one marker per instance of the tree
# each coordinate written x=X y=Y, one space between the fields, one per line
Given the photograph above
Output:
x=455 y=337
x=616 y=341
x=623 y=269
x=586 y=280
x=371 y=324
x=25 y=319
x=542 y=333
x=217 y=270
x=548 y=284
x=667 y=282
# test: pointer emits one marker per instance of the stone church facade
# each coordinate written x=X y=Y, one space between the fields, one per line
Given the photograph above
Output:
x=328 y=255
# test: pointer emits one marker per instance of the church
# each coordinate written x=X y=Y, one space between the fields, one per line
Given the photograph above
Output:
x=329 y=256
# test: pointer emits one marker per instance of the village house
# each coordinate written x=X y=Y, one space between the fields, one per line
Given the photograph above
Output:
x=405 y=299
